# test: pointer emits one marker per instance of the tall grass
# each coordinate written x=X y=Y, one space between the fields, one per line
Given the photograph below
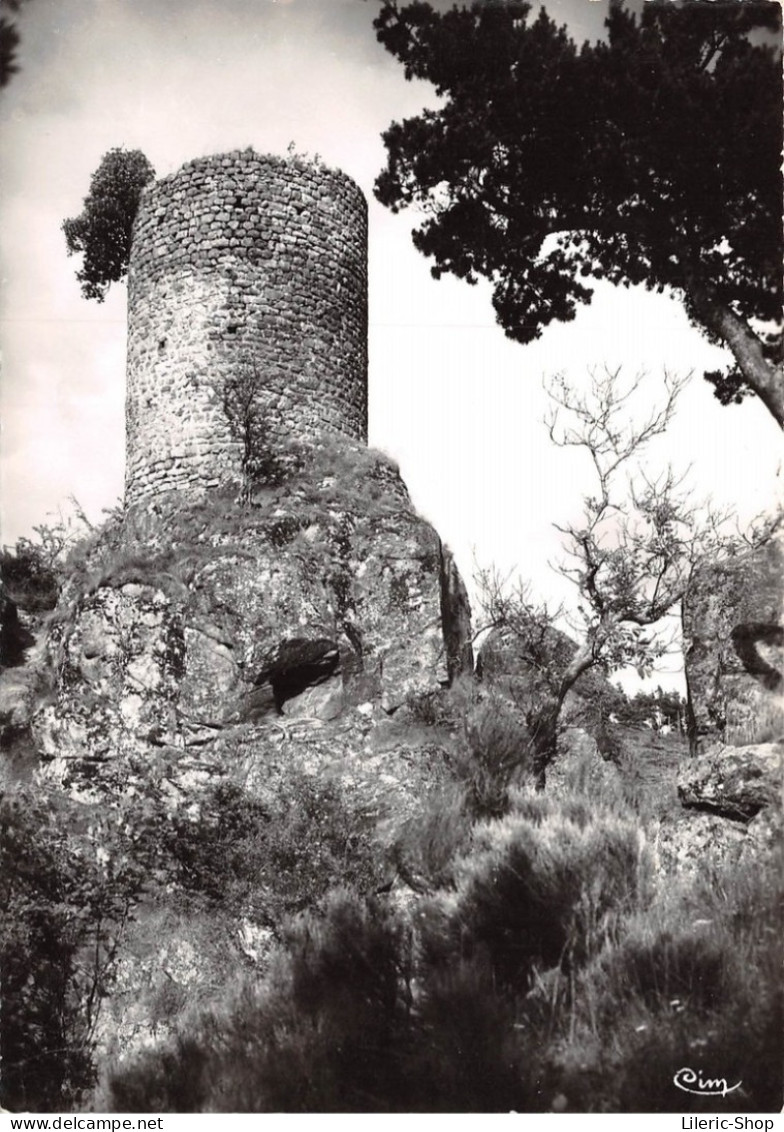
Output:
x=764 y=725
x=693 y=980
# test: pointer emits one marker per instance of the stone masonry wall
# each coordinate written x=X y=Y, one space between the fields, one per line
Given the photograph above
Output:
x=242 y=266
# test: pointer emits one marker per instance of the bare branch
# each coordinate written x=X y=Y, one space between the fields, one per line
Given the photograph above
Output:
x=631 y=555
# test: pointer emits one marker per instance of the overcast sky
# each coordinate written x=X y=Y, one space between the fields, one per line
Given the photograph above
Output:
x=457 y=404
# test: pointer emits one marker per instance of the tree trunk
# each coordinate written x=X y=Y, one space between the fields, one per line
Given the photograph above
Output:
x=544 y=730
x=766 y=379
x=545 y=726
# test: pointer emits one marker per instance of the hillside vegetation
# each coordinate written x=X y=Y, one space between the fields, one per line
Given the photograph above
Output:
x=269 y=849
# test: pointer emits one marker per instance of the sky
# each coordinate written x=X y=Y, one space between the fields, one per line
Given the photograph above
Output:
x=459 y=406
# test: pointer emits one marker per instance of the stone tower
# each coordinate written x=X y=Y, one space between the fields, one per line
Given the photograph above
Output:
x=242 y=266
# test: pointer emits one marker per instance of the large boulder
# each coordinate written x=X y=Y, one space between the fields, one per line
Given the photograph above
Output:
x=733 y=630
x=200 y=615
x=689 y=842
x=735 y=782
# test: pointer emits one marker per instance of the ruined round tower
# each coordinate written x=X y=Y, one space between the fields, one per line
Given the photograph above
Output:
x=251 y=268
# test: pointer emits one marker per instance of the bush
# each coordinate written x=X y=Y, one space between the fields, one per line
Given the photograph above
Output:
x=539 y=894
x=468 y=1056
x=368 y=1010
x=428 y=843
x=170 y=1079
x=339 y=1027
x=684 y=968
x=494 y=750
x=29 y=578
x=326 y=1034
x=66 y=898
x=263 y=459
x=742 y=1048
x=692 y=980
x=274 y=858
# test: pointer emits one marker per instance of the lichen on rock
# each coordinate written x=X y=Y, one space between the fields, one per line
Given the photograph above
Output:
x=736 y=782
x=205 y=612
x=733 y=629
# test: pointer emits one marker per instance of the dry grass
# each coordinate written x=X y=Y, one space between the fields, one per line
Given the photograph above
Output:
x=766 y=725
x=693 y=979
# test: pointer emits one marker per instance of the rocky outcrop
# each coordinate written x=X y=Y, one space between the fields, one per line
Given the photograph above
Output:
x=688 y=843
x=735 y=782
x=200 y=616
x=734 y=660
x=455 y=618
x=733 y=629
x=257 y=642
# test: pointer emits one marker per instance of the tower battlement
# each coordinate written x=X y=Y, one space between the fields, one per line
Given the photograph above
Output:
x=243 y=267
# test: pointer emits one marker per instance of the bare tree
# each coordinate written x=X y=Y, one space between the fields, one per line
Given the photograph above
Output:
x=630 y=554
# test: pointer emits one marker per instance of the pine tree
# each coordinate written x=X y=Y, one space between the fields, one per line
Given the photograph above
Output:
x=651 y=157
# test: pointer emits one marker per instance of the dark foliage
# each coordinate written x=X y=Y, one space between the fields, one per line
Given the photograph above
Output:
x=174 y=1080
x=548 y=977
x=651 y=158
x=9 y=41
x=748 y=1048
x=29 y=577
x=339 y=1033
x=102 y=232
x=64 y=909
x=494 y=749
x=525 y=903
x=269 y=859
x=262 y=460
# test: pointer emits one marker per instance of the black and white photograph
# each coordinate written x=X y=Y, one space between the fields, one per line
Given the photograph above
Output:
x=391 y=560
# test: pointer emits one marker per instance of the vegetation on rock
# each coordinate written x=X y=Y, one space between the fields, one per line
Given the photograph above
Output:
x=484 y=947
x=519 y=984
x=68 y=889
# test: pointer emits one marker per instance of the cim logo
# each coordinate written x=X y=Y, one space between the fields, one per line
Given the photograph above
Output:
x=692 y=1081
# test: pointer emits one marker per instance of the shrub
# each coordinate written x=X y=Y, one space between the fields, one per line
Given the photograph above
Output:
x=264 y=460
x=173 y=1078
x=742 y=1048
x=368 y=1011
x=539 y=894
x=494 y=750
x=66 y=897
x=692 y=980
x=658 y=969
x=29 y=578
x=428 y=843
x=341 y=1026
x=274 y=858
x=326 y=1034
x=467 y=1055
